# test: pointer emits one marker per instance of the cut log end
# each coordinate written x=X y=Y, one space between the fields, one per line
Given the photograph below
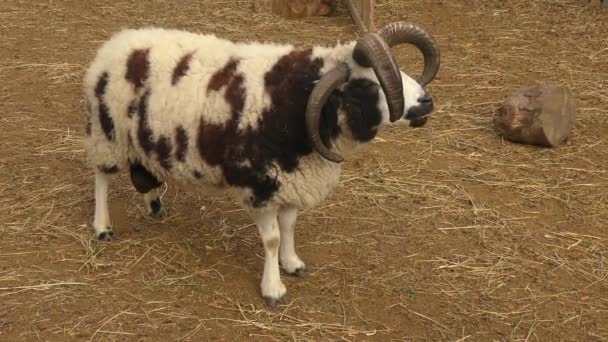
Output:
x=540 y=115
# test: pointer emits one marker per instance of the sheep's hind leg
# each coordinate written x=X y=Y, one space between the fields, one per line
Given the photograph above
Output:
x=154 y=206
x=273 y=289
x=101 y=222
x=287 y=255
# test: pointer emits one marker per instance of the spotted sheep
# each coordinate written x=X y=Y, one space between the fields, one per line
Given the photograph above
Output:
x=269 y=123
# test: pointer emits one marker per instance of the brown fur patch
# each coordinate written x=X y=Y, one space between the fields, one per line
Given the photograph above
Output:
x=163 y=150
x=181 y=138
x=132 y=109
x=223 y=76
x=197 y=174
x=107 y=124
x=181 y=68
x=138 y=68
x=163 y=146
x=144 y=133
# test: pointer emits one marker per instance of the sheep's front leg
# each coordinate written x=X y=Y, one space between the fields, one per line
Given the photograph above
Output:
x=273 y=289
x=101 y=222
x=289 y=259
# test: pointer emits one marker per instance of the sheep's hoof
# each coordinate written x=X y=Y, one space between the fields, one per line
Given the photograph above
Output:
x=157 y=210
x=299 y=272
x=106 y=236
x=273 y=302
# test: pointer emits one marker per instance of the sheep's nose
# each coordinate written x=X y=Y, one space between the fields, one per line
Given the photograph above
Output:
x=426 y=100
x=424 y=107
x=425 y=104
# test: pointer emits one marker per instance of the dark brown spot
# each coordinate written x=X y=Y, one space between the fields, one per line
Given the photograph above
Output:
x=108 y=169
x=144 y=133
x=235 y=95
x=142 y=179
x=132 y=109
x=107 y=124
x=163 y=150
x=138 y=67
x=223 y=76
x=181 y=69
x=163 y=146
x=197 y=174
x=181 y=138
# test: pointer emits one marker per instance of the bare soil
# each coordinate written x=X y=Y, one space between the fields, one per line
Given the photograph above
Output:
x=441 y=233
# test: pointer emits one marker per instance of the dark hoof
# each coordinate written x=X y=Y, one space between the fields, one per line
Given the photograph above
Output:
x=299 y=272
x=106 y=236
x=157 y=210
x=273 y=302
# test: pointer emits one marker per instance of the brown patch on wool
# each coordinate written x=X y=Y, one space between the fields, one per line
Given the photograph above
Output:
x=138 y=67
x=132 y=109
x=163 y=151
x=144 y=133
x=181 y=138
x=223 y=76
x=181 y=68
x=163 y=146
x=107 y=124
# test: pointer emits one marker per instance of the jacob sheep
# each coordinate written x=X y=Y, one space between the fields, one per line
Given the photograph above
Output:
x=270 y=123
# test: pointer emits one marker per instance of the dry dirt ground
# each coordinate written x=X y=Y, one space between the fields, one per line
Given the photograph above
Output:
x=440 y=233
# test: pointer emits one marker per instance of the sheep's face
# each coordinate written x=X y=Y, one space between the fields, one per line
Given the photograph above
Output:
x=366 y=108
x=418 y=104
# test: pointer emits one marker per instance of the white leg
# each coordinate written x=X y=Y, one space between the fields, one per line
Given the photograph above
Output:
x=273 y=289
x=289 y=259
x=153 y=204
x=101 y=223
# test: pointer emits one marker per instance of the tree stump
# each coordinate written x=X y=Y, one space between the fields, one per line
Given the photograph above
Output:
x=296 y=8
x=540 y=115
x=599 y=3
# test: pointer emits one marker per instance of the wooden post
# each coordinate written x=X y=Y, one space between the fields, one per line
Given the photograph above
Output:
x=366 y=11
x=295 y=8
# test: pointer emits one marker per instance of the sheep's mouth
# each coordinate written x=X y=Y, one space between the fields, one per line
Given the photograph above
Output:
x=418 y=122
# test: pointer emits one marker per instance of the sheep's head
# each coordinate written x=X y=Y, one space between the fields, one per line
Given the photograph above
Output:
x=402 y=100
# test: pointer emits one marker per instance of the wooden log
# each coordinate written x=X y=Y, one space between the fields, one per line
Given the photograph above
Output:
x=540 y=115
x=296 y=8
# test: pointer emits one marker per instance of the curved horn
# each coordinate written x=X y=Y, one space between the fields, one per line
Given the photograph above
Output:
x=408 y=33
x=372 y=50
x=318 y=97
